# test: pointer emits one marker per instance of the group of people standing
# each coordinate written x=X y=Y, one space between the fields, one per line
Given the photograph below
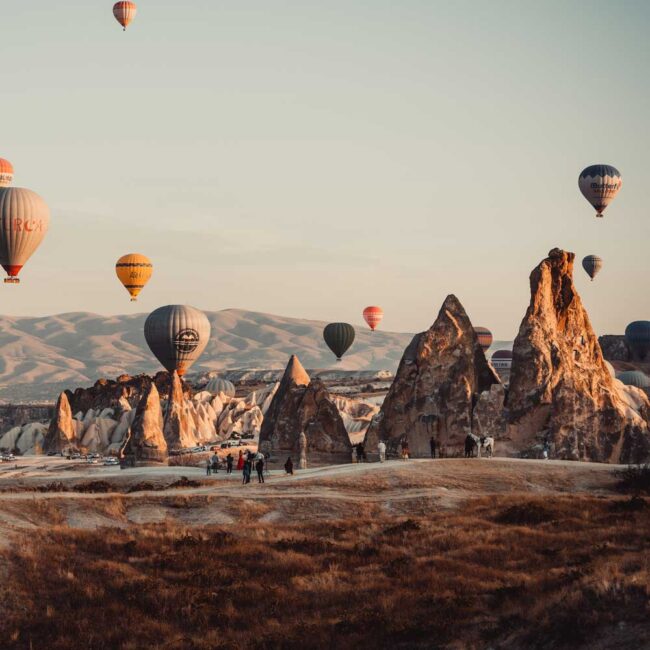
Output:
x=246 y=462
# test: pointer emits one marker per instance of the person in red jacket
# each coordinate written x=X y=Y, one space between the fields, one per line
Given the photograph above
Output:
x=240 y=461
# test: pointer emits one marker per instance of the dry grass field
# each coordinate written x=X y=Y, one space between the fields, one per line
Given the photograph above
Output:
x=451 y=554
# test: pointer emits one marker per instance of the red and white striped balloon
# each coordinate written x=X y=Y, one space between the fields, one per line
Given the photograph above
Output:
x=124 y=12
x=373 y=315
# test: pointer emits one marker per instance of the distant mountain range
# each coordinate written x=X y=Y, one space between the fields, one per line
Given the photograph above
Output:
x=41 y=356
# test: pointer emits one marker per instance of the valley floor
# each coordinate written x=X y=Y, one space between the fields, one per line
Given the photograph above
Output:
x=448 y=553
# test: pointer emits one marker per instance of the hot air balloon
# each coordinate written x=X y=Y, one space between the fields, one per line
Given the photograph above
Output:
x=373 y=316
x=634 y=378
x=124 y=12
x=339 y=337
x=637 y=335
x=484 y=337
x=502 y=359
x=600 y=184
x=592 y=265
x=24 y=220
x=6 y=173
x=177 y=335
x=133 y=271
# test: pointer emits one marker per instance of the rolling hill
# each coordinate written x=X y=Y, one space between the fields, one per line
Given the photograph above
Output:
x=39 y=356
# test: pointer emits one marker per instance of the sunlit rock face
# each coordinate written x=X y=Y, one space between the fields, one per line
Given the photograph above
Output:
x=438 y=383
x=62 y=433
x=560 y=387
x=304 y=406
x=145 y=440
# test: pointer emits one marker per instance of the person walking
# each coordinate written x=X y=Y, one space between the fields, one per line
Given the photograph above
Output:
x=240 y=461
x=432 y=445
x=229 y=462
x=288 y=466
x=208 y=467
x=381 y=448
x=259 y=466
x=405 y=448
x=215 y=463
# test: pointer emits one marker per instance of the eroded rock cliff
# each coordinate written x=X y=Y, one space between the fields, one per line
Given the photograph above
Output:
x=560 y=389
x=303 y=406
x=438 y=383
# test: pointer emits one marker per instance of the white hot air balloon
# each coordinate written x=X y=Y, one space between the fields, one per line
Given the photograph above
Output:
x=24 y=220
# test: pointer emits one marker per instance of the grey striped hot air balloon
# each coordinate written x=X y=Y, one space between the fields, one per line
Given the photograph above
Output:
x=600 y=184
x=339 y=337
x=24 y=220
x=177 y=335
x=592 y=265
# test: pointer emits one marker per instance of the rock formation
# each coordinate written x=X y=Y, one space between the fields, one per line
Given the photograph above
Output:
x=303 y=406
x=62 y=434
x=615 y=348
x=145 y=440
x=439 y=380
x=178 y=428
x=560 y=388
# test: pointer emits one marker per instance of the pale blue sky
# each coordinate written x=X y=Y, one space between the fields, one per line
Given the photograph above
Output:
x=309 y=158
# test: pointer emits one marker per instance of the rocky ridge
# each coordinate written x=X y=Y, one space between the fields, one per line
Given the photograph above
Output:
x=437 y=385
x=299 y=406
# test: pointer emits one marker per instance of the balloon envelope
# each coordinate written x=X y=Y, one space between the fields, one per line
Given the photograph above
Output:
x=484 y=337
x=600 y=184
x=592 y=265
x=373 y=315
x=637 y=335
x=24 y=220
x=339 y=337
x=6 y=173
x=177 y=335
x=124 y=13
x=134 y=271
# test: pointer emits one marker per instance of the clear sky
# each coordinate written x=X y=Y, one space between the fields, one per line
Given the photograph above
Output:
x=310 y=158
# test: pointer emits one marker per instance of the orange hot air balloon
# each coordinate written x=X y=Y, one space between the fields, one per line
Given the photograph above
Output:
x=373 y=315
x=6 y=173
x=124 y=12
x=134 y=271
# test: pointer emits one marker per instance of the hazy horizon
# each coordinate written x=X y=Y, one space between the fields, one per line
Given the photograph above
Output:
x=308 y=160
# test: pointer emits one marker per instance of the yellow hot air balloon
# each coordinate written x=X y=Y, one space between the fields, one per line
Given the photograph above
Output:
x=133 y=271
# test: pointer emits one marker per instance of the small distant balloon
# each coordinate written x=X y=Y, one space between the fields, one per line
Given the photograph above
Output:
x=600 y=184
x=134 y=271
x=339 y=337
x=592 y=265
x=373 y=316
x=124 y=12
x=6 y=173
x=177 y=335
x=24 y=221
x=484 y=337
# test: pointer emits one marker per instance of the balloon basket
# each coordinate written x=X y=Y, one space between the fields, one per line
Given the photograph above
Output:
x=134 y=300
x=12 y=280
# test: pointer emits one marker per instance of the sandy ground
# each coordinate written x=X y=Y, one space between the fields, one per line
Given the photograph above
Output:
x=125 y=498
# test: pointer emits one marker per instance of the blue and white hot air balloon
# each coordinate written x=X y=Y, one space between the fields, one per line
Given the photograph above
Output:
x=600 y=184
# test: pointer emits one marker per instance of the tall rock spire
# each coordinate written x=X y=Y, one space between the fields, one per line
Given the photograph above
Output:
x=560 y=387
x=302 y=406
x=437 y=384
x=62 y=434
